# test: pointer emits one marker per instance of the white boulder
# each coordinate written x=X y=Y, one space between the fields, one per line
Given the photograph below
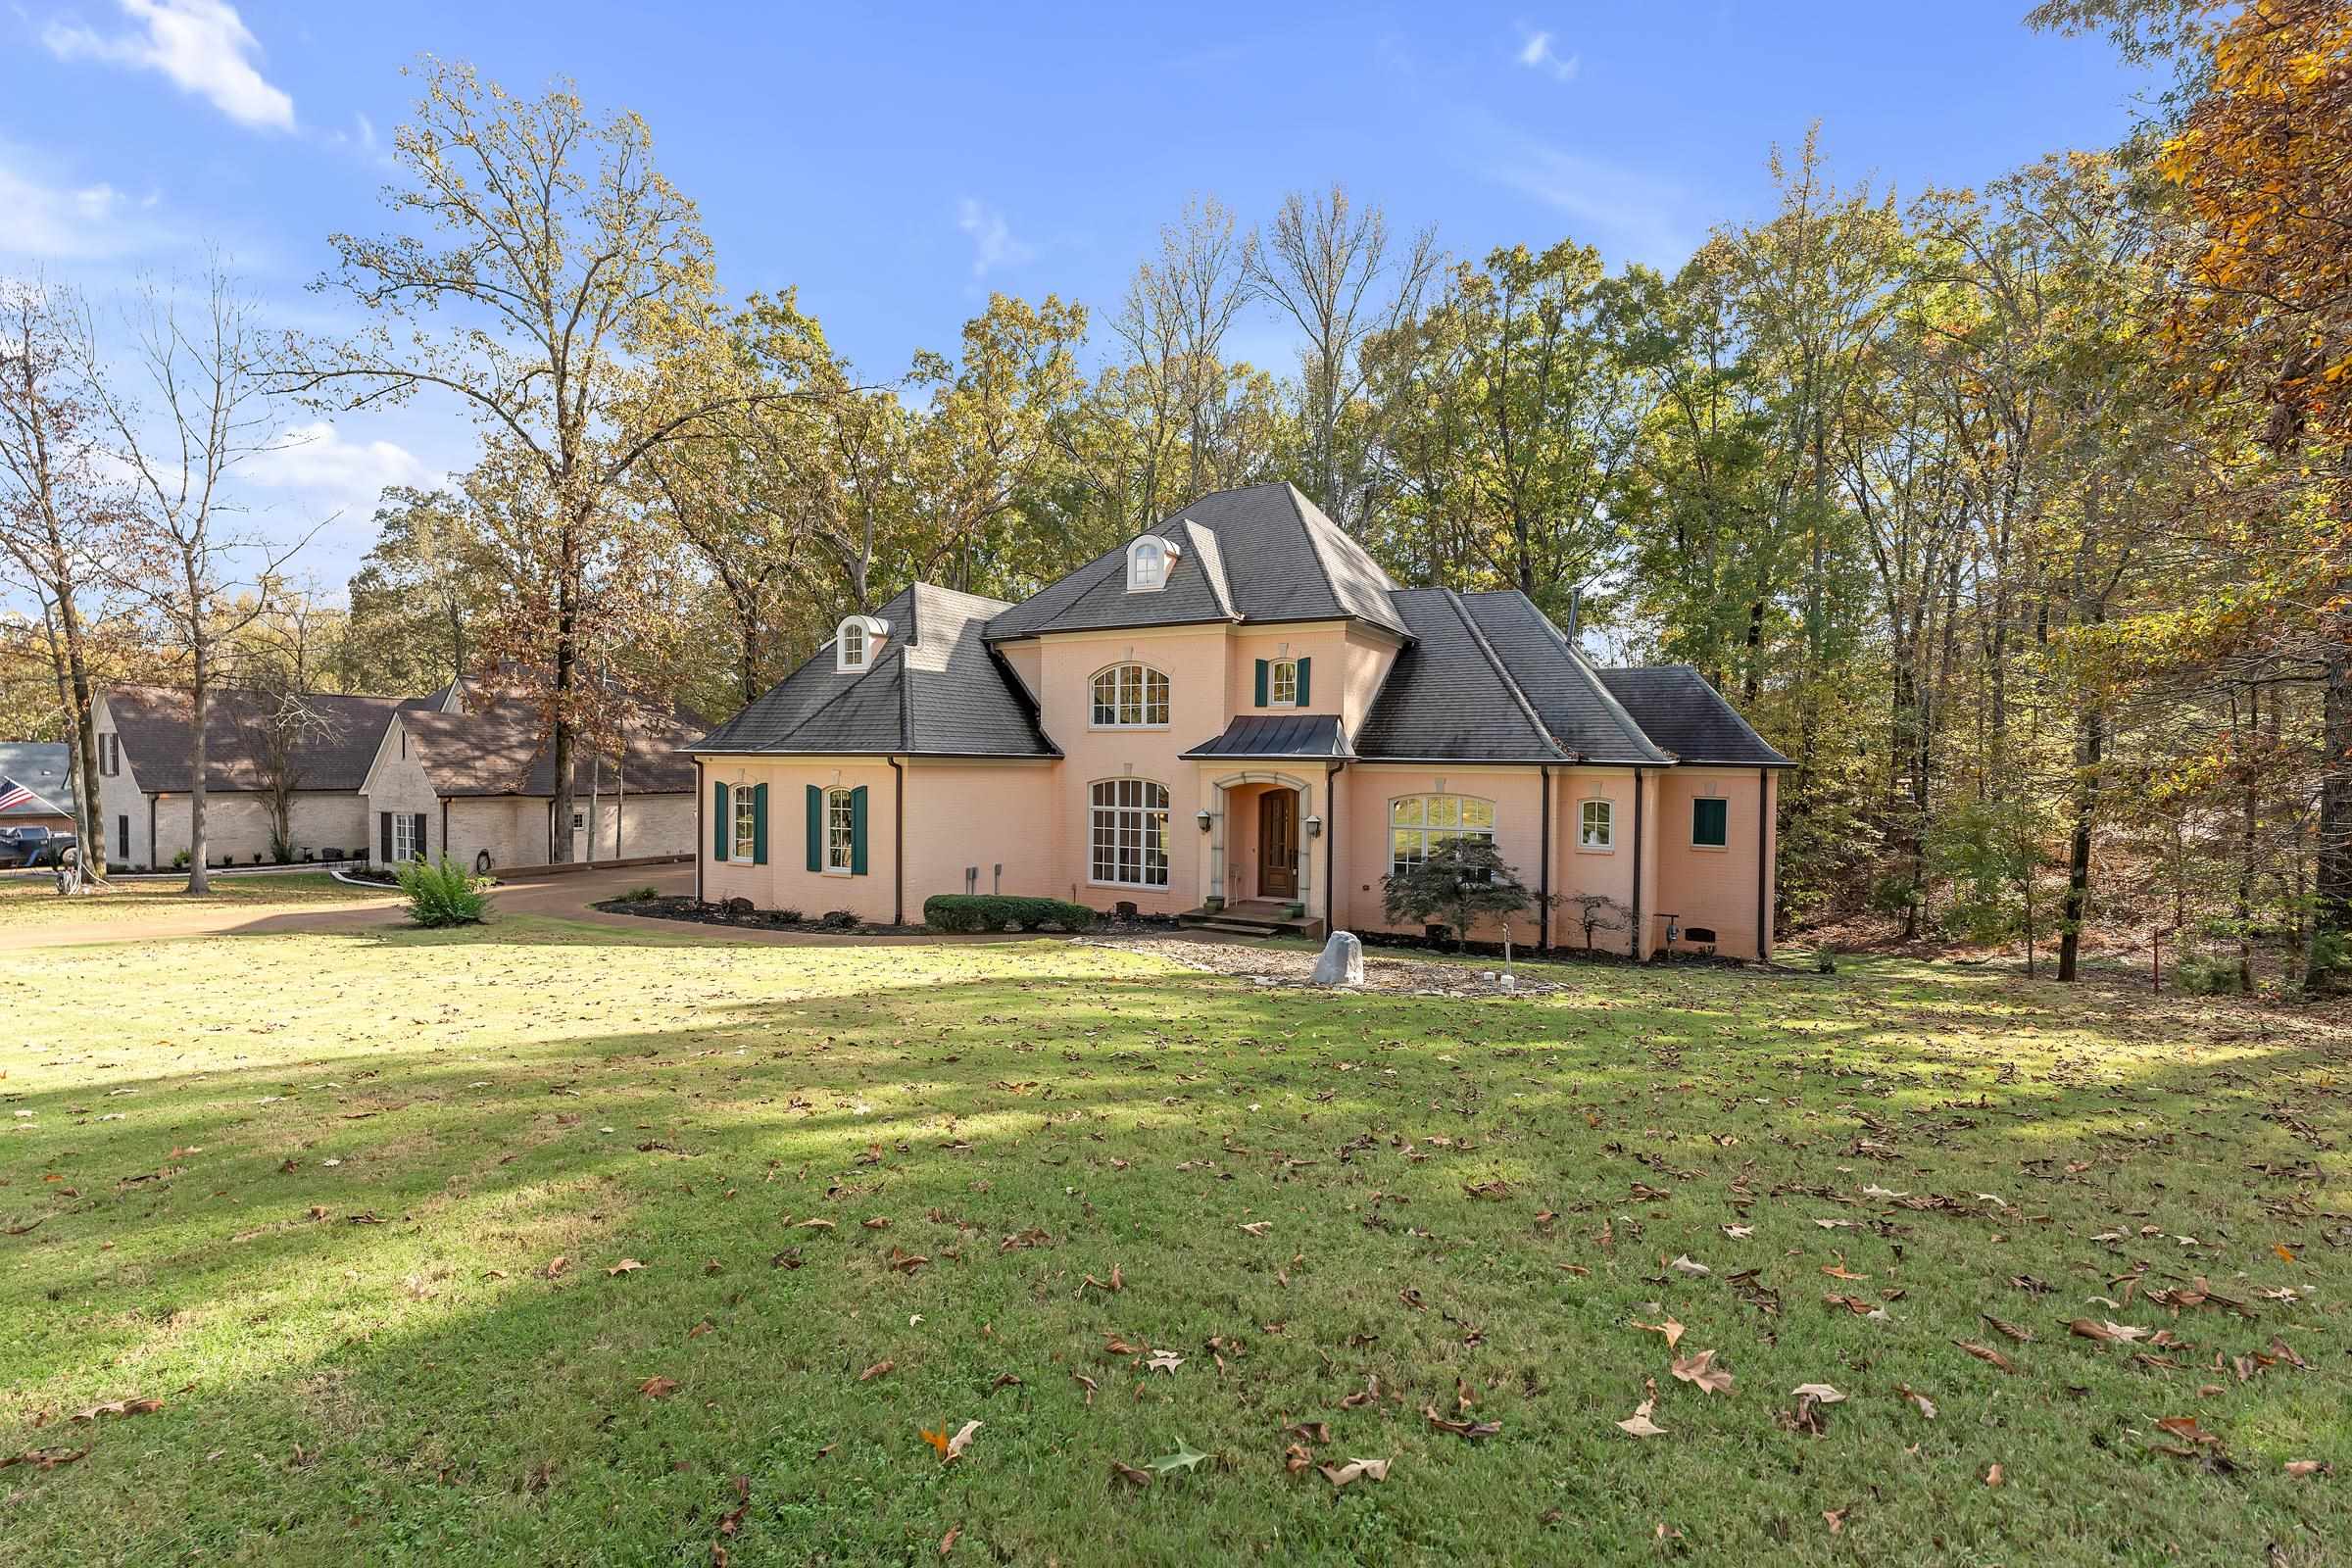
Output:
x=1342 y=962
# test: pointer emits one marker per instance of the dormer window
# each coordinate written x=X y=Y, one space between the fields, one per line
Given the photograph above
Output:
x=855 y=642
x=1148 y=563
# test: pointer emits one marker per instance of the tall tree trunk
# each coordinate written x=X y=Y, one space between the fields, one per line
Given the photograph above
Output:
x=559 y=825
x=2091 y=745
x=2331 y=885
x=200 y=876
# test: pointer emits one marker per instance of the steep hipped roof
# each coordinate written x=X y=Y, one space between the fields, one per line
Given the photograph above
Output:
x=333 y=743
x=1271 y=735
x=1448 y=697
x=44 y=768
x=1677 y=707
x=1261 y=553
x=1567 y=694
x=503 y=747
x=936 y=690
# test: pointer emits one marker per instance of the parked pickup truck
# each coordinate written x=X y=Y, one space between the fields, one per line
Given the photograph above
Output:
x=22 y=847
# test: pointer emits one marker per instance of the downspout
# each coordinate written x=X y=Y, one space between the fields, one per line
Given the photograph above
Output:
x=445 y=827
x=1763 y=831
x=1331 y=840
x=152 y=856
x=1636 y=922
x=701 y=829
x=1544 y=881
x=898 y=842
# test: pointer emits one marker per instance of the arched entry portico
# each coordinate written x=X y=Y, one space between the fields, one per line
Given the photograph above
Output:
x=1261 y=847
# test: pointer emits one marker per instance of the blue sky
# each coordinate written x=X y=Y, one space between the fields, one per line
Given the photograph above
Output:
x=898 y=163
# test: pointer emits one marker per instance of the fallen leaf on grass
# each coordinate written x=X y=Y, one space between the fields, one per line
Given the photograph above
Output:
x=1638 y=1424
x=45 y=1458
x=658 y=1388
x=1297 y=1458
x=2108 y=1333
x=1088 y=1384
x=876 y=1370
x=1669 y=1328
x=1258 y=1227
x=1128 y=1473
x=120 y=1408
x=1355 y=1470
x=1986 y=1353
x=1164 y=1361
x=1700 y=1369
x=1184 y=1458
x=1821 y=1392
x=1687 y=1265
x=1992 y=1476
x=1927 y=1407
x=627 y=1265
x=2294 y=1467
x=556 y=1265
x=1836 y=1517
x=947 y=1542
x=1469 y=1431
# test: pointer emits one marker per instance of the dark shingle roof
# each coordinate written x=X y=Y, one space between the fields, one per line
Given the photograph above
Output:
x=1301 y=735
x=1261 y=553
x=1676 y=708
x=334 y=747
x=1449 y=694
x=1566 y=692
x=502 y=747
x=936 y=690
x=44 y=768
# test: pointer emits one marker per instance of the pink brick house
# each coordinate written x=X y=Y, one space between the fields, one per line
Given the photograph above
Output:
x=1237 y=710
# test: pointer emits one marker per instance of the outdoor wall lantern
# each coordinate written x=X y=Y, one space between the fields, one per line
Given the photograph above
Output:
x=1204 y=818
x=1314 y=826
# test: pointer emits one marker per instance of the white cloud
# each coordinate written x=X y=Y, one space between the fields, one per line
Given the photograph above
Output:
x=1536 y=54
x=203 y=45
x=992 y=242
x=49 y=221
x=315 y=460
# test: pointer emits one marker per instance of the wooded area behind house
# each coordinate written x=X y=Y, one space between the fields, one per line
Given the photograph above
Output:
x=2016 y=515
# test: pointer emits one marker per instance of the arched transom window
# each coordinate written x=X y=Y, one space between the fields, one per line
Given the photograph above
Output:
x=1130 y=833
x=1130 y=697
x=1418 y=823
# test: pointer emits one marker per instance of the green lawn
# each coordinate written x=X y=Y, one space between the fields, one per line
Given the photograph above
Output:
x=351 y=1208
x=33 y=900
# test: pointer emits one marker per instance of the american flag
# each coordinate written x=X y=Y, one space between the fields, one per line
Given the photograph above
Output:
x=13 y=794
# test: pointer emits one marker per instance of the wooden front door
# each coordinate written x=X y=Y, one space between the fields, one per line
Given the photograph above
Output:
x=1278 y=845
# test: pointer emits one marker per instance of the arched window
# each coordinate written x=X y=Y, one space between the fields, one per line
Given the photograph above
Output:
x=1147 y=564
x=1419 y=823
x=1130 y=697
x=1129 y=845
x=855 y=640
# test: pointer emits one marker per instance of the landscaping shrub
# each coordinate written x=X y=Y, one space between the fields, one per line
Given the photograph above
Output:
x=639 y=895
x=2195 y=975
x=997 y=912
x=441 y=895
x=837 y=920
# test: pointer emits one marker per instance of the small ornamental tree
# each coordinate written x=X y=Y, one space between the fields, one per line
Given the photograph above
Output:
x=1463 y=880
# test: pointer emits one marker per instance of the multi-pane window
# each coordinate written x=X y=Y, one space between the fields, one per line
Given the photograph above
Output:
x=841 y=831
x=1282 y=684
x=1597 y=826
x=1130 y=697
x=747 y=822
x=1146 y=566
x=1710 y=822
x=852 y=644
x=1419 y=823
x=405 y=846
x=1130 y=845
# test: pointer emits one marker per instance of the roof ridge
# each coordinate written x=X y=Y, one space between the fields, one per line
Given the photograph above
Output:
x=1616 y=709
x=1207 y=547
x=1314 y=548
x=1526 y=707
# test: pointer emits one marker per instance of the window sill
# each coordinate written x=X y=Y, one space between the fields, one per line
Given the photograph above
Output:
x=834 y=870
x=1597 y=848
x=1130 y=728
x=1713 y=848
x=1130 y=887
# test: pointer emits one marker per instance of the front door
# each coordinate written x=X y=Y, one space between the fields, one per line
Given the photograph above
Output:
x=1278 y=845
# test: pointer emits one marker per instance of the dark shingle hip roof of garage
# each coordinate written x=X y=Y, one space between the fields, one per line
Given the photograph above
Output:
x=936 y=690
x=1677 y=707
x=332 y=751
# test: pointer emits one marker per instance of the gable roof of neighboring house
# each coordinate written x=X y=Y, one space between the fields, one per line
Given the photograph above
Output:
x=46 y=769
x=331 y=751
x=1679 y=710
x=935 y=689
x=1261 y=553
x=501 y=747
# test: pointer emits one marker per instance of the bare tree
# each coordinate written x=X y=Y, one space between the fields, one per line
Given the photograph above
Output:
x=201 y=577
x=53 y=511
x=1327 y=266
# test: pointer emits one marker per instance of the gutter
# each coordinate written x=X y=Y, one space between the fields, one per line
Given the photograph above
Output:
x=898 y=842
x=1331 y=834
x=701 y=829
x=1636 y=922
x=1544 y=882
x=1763 y=804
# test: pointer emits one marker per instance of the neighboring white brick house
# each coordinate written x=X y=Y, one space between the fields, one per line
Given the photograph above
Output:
x=468 y=776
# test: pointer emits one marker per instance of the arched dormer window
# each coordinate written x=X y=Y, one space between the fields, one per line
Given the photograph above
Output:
x=855 y=642
x=1130 y=695
x=1147 y=561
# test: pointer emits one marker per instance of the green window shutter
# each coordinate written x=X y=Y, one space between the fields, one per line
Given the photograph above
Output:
x=759 y=824
x=857 y=831
x=718 y=821
x=420 y=846
x=383 y=827
x=1262 y=683
x=1304 y=665
x=1710 y=822
x=816 y=828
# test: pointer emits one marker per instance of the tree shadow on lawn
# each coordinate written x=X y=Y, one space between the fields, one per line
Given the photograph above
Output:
x=500 y=1417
